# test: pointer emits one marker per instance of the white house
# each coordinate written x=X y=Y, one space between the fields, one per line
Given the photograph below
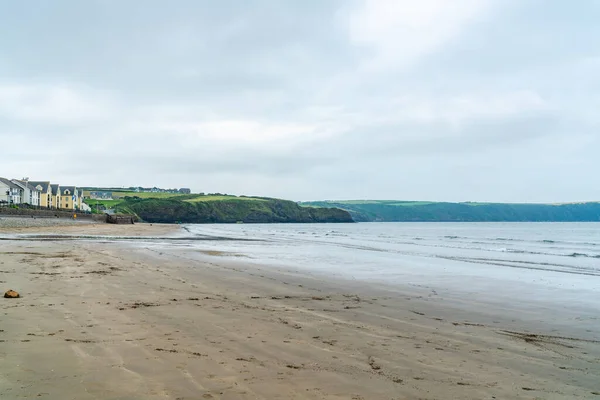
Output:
x=9 y=192
x=29 y=194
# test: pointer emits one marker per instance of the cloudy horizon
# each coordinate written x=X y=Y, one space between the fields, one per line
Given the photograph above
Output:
x=463 y=100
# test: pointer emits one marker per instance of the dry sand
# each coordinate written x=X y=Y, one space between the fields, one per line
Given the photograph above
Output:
x=61 y=226
x=122 y=321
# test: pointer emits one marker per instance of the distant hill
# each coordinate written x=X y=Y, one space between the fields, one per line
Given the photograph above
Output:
x=195 y=208
x=406 y=211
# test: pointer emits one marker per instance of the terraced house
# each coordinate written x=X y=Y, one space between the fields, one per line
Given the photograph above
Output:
x=46 y=199
x=29 y=193
x=9 y=192
x=70 y=197
x=41 y=194
x=55 y=190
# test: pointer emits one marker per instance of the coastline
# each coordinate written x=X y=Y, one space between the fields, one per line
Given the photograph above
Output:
x=112 y=320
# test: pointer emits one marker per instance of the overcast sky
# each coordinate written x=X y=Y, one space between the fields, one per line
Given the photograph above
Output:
x=455 y=100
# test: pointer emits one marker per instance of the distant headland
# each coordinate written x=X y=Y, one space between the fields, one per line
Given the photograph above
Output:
x=424 y=211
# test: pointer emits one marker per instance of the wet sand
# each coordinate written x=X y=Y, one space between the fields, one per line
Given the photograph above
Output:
x=134 y=321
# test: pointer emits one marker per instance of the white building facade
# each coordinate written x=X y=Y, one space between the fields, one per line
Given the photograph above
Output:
x=29 y=194
x=9 y=192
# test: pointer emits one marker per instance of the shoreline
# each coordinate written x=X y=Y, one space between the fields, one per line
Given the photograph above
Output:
x=116 y=320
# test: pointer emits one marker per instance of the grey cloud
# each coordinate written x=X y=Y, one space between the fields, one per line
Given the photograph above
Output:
x=400 y=140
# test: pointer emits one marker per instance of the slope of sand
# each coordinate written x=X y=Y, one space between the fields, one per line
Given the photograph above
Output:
x=107 y=321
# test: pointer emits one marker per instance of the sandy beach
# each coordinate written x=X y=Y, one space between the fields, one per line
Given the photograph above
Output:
x=114 y=320
x=62 y=226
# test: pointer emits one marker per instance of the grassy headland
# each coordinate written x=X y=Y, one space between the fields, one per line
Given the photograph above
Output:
x=217 y=208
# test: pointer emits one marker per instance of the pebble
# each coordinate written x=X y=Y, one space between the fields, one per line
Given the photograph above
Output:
x=11 y=294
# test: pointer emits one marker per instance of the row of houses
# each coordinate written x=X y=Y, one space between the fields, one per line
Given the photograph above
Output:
x=40 y=194
x=140 y=189
x=110 y=194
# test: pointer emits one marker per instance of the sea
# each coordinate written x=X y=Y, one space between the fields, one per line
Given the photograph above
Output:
x=549 y=269
x=416 y=251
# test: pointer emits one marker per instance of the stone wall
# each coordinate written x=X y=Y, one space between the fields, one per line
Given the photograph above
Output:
x=120 y=219
x=50 y=214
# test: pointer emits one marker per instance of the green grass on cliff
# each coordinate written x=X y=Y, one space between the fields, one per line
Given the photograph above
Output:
x=147 y=195
x=223 y=198
x=218 y=208
x=192 y=198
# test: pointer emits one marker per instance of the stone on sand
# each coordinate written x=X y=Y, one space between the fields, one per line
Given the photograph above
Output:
x=11 y=294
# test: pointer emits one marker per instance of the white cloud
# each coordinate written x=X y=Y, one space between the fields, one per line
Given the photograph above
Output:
x=402 y=31
x=54 y=103
x=460 y=108
x=219 y=133
x=235 y=131
x=447 y=112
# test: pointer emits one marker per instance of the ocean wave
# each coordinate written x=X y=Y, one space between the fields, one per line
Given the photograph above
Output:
x=546 y=241
x=509 y=250
x=574 y=254
x=530 y=265
x=565 y=242
x=584 y=255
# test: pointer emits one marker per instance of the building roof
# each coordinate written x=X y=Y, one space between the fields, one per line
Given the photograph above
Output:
x=24 y=184
x=71 y=190
x=10 y=184
x=44 y=184
x=55 y=189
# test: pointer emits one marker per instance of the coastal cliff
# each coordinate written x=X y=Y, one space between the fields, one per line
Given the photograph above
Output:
x=230 y=210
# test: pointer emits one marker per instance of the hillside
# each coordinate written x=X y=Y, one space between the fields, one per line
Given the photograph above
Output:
x=220 y=209
x=405 y=211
